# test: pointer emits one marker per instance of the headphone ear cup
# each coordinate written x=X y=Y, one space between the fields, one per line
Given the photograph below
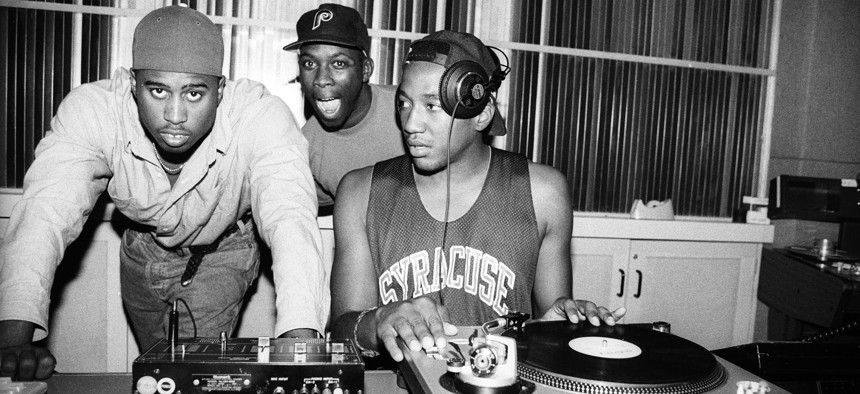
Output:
x=465 y=81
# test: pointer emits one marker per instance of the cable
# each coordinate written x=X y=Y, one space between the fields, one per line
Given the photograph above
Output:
x=173 y=321
x=448 y=175
x=504 y=69
x=448 y=187
x=831 y=333
x=173 y=325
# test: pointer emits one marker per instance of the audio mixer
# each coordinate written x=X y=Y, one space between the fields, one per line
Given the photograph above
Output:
x=249 y=365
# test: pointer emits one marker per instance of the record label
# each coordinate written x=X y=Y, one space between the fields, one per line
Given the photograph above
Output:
x=605 y=347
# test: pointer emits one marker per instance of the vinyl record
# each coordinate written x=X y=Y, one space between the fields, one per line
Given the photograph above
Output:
x=813 y=252
x=632 y=359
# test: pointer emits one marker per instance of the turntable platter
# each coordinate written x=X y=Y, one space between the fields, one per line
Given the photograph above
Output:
x=618 y=359
x=831 y=256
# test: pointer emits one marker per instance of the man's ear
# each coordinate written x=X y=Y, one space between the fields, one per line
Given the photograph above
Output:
x=133 y=83
x=485 y=117
x=222 y=81
x=367 y=70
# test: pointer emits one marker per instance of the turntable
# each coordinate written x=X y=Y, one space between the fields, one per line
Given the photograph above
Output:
x=561 y=357
x=805 y=294
x=811 y=287
x=833 y=261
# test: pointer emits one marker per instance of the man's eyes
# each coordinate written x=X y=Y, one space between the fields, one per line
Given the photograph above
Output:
x=192 y=96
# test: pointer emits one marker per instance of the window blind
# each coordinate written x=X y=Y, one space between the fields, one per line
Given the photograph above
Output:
x=647 y=99
x=626 y=129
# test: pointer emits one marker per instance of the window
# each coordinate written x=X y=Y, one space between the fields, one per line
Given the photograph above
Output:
x=648 y=99
x=36 y=72
x=670 y=106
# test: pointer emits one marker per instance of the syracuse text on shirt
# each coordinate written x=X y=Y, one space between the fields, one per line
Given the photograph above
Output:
x=477 y=273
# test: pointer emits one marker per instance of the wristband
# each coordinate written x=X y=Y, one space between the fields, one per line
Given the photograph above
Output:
x=364 y=352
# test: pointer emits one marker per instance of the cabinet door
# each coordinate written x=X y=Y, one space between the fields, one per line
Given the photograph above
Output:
x=706 y=291
x=600 y=270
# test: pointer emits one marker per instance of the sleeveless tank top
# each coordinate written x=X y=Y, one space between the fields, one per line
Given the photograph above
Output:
x=487 y=265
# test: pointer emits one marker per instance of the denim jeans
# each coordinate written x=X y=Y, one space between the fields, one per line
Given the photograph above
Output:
x=150 y=277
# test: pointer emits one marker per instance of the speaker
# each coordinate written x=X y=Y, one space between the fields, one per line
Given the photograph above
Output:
x=467 y=82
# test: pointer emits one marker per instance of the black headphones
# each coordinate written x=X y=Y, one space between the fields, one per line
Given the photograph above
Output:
x=467 y=82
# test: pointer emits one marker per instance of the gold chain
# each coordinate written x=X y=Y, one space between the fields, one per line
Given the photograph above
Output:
x=170 y=171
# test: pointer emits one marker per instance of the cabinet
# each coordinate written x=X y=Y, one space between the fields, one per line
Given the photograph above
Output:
x=704 y=287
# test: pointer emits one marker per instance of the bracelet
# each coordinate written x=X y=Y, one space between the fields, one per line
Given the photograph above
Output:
x=364 y=352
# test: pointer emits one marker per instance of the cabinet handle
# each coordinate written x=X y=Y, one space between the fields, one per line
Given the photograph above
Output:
x=639 y=285
x=621 y=291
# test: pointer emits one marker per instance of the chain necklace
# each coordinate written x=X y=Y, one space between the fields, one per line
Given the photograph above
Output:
x=168 y=170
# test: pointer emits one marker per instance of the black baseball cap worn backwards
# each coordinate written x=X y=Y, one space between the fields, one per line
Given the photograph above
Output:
x=447 y=48
x=332 y=24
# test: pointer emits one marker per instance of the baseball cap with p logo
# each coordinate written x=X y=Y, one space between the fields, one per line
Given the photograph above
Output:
x=332 y=24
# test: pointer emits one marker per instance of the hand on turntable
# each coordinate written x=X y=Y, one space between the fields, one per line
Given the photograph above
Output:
x=565 y=308
x=420 y=323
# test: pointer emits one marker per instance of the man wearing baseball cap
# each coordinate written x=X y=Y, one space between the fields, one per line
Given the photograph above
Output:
x=455 y=232
x=353 y=123
x=204 y=168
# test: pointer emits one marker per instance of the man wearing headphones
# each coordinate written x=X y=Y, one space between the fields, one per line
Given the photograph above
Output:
x=354 y=124
x=455 y=232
